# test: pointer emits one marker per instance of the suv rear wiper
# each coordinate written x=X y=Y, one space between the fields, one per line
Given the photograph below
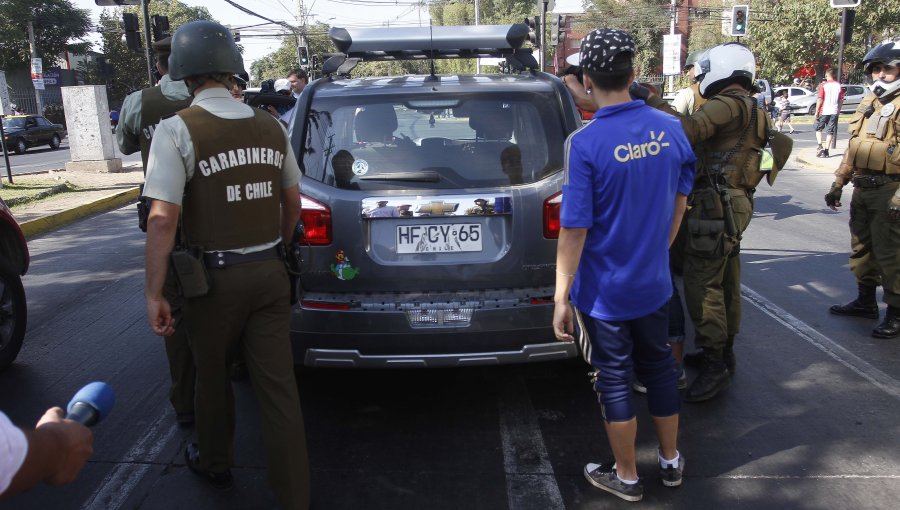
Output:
x=422 y=176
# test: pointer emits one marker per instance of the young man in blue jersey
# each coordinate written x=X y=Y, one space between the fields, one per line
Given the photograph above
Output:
x=628 y=174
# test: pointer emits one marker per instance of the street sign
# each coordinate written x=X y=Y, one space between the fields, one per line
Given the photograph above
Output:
x=672 y=54
x=37 y=70
x=845 y=4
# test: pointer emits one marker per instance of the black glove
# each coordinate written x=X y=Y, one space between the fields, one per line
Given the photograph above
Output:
x=833 y=197
x=638 y=91
x=894 y=207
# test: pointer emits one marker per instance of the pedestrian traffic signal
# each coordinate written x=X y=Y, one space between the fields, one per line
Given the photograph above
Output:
x=739 y=15
x=534 y=30
x=557 y=30
x=132 y=36
x=160 y=27
x=303 y=54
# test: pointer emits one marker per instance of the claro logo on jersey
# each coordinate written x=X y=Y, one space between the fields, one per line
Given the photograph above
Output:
x=627 y=152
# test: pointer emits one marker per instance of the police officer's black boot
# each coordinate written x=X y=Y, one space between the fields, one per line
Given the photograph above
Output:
x=890 y=326
x=863 y=306
x=693 y=359
x=713 y=378
x=728 y=355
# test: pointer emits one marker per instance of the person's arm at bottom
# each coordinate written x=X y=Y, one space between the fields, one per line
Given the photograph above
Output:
x=680 y=206
x=568 y=254
x=162 y=223
x=57 y=450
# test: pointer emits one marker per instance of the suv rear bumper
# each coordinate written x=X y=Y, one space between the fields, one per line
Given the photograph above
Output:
x=354 y=359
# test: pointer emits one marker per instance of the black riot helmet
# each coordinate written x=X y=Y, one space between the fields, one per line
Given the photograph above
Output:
x=886 y=53
x=203 y=48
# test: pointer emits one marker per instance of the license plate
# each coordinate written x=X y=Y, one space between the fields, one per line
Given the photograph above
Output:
x=442 y=238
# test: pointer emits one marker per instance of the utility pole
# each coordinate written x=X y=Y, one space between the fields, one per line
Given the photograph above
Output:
x=146 y=12
x=34 y=55
x=301 y=19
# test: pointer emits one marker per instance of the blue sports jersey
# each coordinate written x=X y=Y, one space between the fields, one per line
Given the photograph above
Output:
x=623 y=170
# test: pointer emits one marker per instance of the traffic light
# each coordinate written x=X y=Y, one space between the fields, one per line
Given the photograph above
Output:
x=303 y=54
x=739 y=20
x=534 y=30
x=132 y=36
x=160 y=27
x=557 y=30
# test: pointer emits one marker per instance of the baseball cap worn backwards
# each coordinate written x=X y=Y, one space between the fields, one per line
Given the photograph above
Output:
x=600 y=48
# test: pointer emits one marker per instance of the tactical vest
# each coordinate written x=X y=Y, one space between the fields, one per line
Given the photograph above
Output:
x=740 y=169
x=874 y=139
x=233 y=199
x=155 y=106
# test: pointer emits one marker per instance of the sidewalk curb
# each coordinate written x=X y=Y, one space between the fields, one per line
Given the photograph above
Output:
x=47 y=223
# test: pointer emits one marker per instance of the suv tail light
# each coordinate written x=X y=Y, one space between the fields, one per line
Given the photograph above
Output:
x=551 y=216
x=316 y=218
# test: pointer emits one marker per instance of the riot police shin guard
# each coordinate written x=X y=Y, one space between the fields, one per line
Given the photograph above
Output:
x=863 y=306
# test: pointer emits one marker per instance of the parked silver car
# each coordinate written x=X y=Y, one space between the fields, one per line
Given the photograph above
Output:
x=430 y=207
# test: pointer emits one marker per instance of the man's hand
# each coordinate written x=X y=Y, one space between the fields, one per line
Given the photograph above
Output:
x=74 y=447
x=159 y=313
x=894 y=207
x=638 y=91
x=581 y=96
x=563 y=323
x=833 y=197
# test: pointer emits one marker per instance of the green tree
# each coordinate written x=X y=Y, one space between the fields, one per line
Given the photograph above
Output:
x=55 y=22
x=804 y=34
x=130 y=67
x=646 y=20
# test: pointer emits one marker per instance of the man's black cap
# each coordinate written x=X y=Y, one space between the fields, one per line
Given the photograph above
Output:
x=600 y=48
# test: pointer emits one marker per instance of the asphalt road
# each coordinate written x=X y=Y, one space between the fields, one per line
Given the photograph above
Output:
x=811 y=421
x=43 y=158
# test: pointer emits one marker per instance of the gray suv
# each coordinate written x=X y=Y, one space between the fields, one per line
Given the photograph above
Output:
x=430 y=208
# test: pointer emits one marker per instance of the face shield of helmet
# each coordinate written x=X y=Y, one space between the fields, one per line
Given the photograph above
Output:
x=882 y=78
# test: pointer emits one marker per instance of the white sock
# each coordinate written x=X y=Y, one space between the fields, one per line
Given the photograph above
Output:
x=626 y=482
x=665 y=463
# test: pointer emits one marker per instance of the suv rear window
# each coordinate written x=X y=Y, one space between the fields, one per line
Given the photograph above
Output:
x=408 y=141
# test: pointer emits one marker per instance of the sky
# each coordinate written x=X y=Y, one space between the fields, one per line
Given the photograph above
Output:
x=341 y=13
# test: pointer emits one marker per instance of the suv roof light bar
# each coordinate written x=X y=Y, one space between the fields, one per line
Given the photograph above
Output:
x=436 y=42
x=425 y=40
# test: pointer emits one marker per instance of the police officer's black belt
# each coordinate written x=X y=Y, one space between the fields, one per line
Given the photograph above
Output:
x=874 y=180
x=222 y=259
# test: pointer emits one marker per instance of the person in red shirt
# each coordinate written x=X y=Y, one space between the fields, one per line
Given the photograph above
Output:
x=828 y=107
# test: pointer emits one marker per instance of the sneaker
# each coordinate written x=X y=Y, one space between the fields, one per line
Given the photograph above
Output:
x=825 y=153
x=671 y=476
x=639 y=387
x=607 y=480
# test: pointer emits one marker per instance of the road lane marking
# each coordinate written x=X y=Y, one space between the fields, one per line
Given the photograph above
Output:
x=883 y=381
x=530 y=480
x=121 y=481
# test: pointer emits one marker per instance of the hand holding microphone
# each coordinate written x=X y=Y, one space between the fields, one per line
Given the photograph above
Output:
x=60 y=445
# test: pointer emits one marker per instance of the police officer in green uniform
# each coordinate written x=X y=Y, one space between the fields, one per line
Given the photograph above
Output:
x=229 y=171
x=688 y=100
x=140 y=113
x=872 y=164
x=727 y=134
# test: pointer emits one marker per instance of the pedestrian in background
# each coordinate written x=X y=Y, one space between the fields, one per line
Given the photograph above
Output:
x=230 y=170
x=828 y=108
x=619 y=282
x=141 y=112
x=872 y=163
x=783 y=107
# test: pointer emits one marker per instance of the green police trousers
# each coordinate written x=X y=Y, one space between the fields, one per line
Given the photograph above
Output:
x=712 y=285
x=181 y=361
x=248 y=309
x=875 y=240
